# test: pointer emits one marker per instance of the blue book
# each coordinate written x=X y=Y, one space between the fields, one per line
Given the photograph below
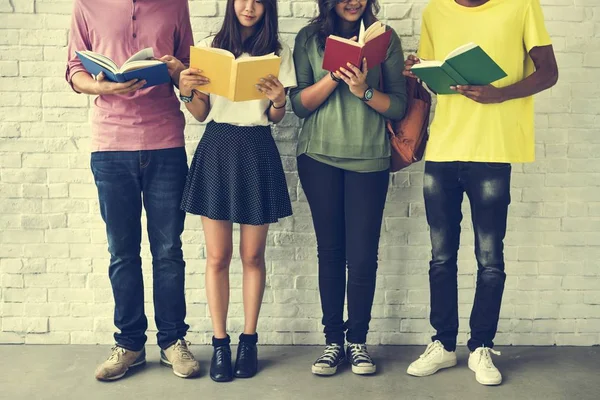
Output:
x=141 y=65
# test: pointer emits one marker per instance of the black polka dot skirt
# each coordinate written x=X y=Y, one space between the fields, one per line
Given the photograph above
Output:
x=236 y=175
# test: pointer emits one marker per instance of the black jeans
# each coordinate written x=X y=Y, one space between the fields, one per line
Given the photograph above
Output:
x=121 y=178
x=488 y=187
x=347 y=210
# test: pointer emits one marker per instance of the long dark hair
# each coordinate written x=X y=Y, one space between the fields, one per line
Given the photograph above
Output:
x=263 y=41
x=328 y=21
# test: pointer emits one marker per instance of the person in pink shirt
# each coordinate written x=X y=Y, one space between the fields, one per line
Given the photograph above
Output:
x=138 y=158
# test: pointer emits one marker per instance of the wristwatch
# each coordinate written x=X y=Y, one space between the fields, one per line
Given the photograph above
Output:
x=186 y=99
x=368 y=95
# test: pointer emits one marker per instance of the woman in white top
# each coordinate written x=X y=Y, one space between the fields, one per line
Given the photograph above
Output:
x=236 y=175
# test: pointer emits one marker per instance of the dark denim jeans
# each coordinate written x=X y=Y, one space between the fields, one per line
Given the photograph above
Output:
x=347 y=212
x=487 y=186
x=126 y=180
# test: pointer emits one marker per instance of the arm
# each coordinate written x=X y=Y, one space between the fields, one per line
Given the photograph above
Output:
x=275 y=92
x=82 y=82
x=184 y=38
x=539 y=46
x=78 y=40
x=545 y=76
x=356 y=80
x=189 y=80
x=77 y=76
x=313 y=96
x=307 y=96
x=391 y=103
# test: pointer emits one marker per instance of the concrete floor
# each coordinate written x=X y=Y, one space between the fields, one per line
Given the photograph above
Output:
x=66 y=372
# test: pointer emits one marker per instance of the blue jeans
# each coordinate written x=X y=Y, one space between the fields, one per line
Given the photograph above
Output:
x=347 y=212
x=126 y=180
x=488 y=187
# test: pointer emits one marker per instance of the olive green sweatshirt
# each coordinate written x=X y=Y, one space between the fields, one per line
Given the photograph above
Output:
x=344 y=131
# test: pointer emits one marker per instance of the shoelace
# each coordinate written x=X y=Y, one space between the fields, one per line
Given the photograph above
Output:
x=359 y=353
x=117 y=351
x=244 y=349
x=330 y=354
x=181 y=347
x=485 y=356
x=432 y=348
x=221 y=352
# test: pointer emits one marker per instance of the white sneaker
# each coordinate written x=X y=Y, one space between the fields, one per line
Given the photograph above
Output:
x=432 y=360
x=480 y=362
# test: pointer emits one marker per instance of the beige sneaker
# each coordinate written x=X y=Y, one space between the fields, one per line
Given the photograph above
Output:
x=480 y=362
x=181 y=359
x=434 y=358
x=119 y=362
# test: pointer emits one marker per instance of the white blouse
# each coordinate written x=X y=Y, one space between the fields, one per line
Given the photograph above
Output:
x=253 y=112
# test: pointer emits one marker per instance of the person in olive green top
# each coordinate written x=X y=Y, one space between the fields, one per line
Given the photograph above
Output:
x=343 y=164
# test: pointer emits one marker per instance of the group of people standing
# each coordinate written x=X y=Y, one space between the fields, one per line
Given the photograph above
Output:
x=343 y=159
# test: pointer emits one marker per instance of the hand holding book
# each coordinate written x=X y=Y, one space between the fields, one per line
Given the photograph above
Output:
x=104 y=86
x=487 y=94
x=467 y=65
x=234 y=78
x=191 y=79
x=372 y=44
x=141 y=66
x=174 y=66
x=355 y=78
x=273 y=90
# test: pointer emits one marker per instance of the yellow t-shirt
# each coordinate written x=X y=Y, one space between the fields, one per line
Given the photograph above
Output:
x=464 y=130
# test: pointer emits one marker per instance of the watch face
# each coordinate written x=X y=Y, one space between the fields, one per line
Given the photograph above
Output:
x=186 y=99
x=369 y=94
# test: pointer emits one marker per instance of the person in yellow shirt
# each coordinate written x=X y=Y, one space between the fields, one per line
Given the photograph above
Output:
x=475 y=136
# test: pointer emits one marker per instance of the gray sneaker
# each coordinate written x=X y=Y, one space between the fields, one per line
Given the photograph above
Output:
x=119 y=362
x=179 y=357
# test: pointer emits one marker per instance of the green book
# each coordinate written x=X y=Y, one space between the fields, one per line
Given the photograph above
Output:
x=466 y=65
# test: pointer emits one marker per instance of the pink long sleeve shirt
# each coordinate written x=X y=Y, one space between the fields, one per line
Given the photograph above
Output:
x=148 y=119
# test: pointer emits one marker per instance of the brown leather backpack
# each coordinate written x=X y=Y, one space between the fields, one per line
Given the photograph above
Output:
x=408 y=137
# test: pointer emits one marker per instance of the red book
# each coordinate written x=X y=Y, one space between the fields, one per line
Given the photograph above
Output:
x=372 y=44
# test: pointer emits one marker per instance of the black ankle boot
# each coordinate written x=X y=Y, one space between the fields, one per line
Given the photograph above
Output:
x=220 y=365
x=246 y=362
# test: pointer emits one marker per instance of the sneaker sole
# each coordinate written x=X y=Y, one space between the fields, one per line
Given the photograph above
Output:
x=369 y=370
x=488 y=383
x=447 y=364
x=167 y=363
x=114 y=378
x=324 y=371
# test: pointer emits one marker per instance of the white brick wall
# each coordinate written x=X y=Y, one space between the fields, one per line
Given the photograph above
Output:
x=53 y=258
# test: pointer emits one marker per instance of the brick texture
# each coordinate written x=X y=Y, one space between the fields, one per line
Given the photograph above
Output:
x=53 y=258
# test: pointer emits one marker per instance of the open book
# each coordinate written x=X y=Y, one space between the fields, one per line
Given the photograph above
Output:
x=233 y=78
x=141 y=65
x=372 y=44
x=466 y=65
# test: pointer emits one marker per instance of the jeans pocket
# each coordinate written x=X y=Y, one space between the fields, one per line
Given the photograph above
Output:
x=497 y=165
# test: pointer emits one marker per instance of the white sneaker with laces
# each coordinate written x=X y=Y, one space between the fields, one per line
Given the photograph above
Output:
x=480 y=362
x=432 y=360
x=328 y=363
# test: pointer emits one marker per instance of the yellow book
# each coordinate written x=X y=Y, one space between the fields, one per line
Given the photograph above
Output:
x=233 y=78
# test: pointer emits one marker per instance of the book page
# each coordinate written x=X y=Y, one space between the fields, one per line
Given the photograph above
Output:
x=248 y=74
x=460 y=50
x=344 y=40
x=144 y=54
x=133 y=65
x=216 y=65
x=361 y=32
x=374 y=31
x=101 y=60
x=428 y=64
x=256 y=58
